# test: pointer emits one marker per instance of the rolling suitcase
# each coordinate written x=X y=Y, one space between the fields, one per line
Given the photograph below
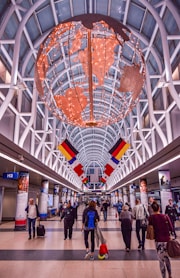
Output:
x=40 y=230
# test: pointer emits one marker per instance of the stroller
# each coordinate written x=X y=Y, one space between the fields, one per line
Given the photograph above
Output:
x=103 y=250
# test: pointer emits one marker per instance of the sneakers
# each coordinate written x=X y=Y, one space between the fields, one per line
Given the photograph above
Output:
x=139 y=247
x=87 y=256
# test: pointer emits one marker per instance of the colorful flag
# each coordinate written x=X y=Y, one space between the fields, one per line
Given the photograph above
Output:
x=122 y=151
x=72 y=160
x=79 y=169
x=115 y=160
x=67 y=150
x=118 y=150
x=85 y=180
x=103 y=180
x=108 y=169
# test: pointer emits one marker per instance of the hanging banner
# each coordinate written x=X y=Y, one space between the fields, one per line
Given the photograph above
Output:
x=22 y=200
x=165 y=188
x=143 y=191
x=43 y=203
x=164 y=179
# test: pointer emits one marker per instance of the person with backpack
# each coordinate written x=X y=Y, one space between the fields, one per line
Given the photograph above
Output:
x=89 y=219
x=69 y=215
x=119 y=206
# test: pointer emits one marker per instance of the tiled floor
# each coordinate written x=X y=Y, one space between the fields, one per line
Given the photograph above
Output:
x=51 y=256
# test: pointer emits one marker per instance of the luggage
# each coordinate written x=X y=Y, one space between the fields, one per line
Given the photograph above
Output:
x=40 y=230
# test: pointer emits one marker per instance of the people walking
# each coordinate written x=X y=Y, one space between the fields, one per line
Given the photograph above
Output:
x=105 y=206
x=68 y=215
x=33 y=214
x=162 y=229
x=140 y=213
x=126 y=226
x=119 y=206
x=89 y=219
x=171 y=211
x=150 y=210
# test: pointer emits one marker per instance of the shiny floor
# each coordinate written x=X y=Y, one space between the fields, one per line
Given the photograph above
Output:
x=52 y=256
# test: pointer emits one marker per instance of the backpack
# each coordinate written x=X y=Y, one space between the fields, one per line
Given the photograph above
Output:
x=91 y=219
x=119 y=207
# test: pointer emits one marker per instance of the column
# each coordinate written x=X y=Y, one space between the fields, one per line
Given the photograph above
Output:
x=125 y=195
x=120 y=195
x=64 y=195
x=1 y=202
x=132 y=195
x=22 y=200
x=165 y=188
x=43 y=202
x=69 y=195
x=56 y=197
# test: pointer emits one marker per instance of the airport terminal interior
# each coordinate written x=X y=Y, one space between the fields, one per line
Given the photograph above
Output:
x=89 y=110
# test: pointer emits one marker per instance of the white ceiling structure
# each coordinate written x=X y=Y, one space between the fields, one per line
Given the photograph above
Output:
x=150 y=127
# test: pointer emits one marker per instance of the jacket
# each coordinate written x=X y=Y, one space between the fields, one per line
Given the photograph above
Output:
x=68 y=214
x=84 y=218
x=140 y=212
x=37 y=211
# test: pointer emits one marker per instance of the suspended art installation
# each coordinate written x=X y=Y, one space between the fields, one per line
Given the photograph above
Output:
x=90 y=71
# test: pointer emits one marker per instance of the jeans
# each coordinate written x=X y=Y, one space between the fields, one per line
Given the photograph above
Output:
x=31 y=223
x=139 y=229
x=86 y=234
x=105 y=215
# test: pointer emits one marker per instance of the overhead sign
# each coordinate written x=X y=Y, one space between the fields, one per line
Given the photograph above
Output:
x=11 y=175
x=134 y=186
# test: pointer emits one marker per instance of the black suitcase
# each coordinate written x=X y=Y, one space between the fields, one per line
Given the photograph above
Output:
x=40 y=230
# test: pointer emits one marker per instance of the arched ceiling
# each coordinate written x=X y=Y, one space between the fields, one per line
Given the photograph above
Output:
x=148 y=128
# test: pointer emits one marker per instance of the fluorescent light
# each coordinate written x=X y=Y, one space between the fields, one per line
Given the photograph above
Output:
x=32 y=169
x=147 y=172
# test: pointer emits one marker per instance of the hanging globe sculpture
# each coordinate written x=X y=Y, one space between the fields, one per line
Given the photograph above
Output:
x=90 y=71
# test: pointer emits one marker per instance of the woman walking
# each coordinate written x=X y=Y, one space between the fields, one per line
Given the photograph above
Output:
x=89 y=219
x=126 y=226
x=162 y=229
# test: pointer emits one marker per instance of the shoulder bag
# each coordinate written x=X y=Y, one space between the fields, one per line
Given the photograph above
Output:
x=150 y=232
x=173 y=248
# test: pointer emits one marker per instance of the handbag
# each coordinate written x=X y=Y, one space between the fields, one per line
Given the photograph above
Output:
x=150 y=232
x=173 y=248
x=143 y=223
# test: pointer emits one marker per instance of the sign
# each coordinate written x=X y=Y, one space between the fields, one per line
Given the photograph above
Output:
x=134 y=186
x=11 y=175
